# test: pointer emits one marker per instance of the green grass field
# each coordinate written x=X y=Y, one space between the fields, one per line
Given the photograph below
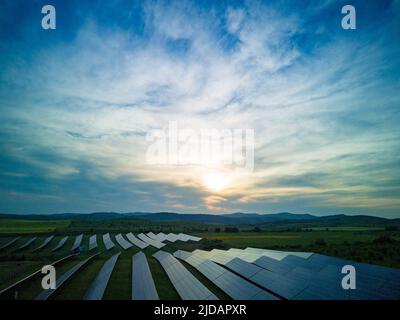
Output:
x=9 y=226
x=370 y=245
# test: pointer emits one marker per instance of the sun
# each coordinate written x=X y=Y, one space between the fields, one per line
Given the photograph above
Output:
x=215 y=181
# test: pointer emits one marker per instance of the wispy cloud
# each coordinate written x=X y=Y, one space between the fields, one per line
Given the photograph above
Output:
x=323 y=104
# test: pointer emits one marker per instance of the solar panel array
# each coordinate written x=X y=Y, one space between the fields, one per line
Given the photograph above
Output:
x=243 y=274
x=233 y=285
x=93 y=242
x=264 y=270
x=27 y=243
x=60 y=244
x=108 y=242
x=45 y=243
x=6 y=245
x=143 y=287
x=122 y=242
x=137 y=242
x=373 y=282
x=187 y=286
x=77 y=243
x=99 y=284
x=45 y=294
x=141 y=241
x=8 y=290
x=172 y=237
x=303 y=275
x=155 y=243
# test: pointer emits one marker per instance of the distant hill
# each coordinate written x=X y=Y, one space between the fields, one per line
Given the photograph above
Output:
x=271 y=217
x=282 y=219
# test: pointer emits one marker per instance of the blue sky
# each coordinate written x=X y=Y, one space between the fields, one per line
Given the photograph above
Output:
x=77 y=102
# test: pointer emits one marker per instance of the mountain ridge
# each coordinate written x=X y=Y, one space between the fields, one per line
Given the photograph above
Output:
x=236 y=218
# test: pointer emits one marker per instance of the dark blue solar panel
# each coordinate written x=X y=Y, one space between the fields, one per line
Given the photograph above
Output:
x=99 y=284
x=60 y=244
x=143 y=287
x=45 y=243
x=8 y=244
x=27 y=243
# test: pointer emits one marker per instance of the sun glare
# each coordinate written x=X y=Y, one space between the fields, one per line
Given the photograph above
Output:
x=215 y=181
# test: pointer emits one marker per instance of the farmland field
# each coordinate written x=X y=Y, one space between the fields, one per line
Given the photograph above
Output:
x=8 y=226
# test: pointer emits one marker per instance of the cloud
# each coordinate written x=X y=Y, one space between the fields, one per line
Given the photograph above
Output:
x=324 y=115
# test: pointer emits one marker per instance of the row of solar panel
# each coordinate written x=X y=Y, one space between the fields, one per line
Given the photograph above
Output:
x=270 y=275
x=143 y=287
x=141 y=241
x=186 y=284
x=301 y=275
x=233 y=285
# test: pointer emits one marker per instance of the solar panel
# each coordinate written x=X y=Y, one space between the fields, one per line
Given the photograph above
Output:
x=181 y=254
x=238 y=288
x=193 y=238
x=171 y=237
x=6 y=245
x=221 y=258
x=320 y=292
x=137 y=242
x=164 y=258
x=293 y=261
x=143 y=287
x=276 y=254
x=152 y=236
x=187 y=286
x=249 y=271
x=77 y=243
x=99 y=285
x=209 y=269
x=45 y=294
x=276 y=266
x=296 y=275
x=202 y=253
x=183 y=237
x=372 y=283
x=300 y=273
x=161 y=236
x=319 y=277
x=122 y=242
x=45 y=243
x=16 y=284
x=244 y=255
x=390 y=289
x=27 y=243
x=279 y=284
x=152 y=242
x=318 y=262
x=60 y=243
x=93 y=242
x=242 y=267
x=232 y=284
x=107 y=241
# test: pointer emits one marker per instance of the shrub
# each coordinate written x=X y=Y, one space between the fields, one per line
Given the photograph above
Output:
x=231 y=229
x=320 y=242
x=385 y=239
